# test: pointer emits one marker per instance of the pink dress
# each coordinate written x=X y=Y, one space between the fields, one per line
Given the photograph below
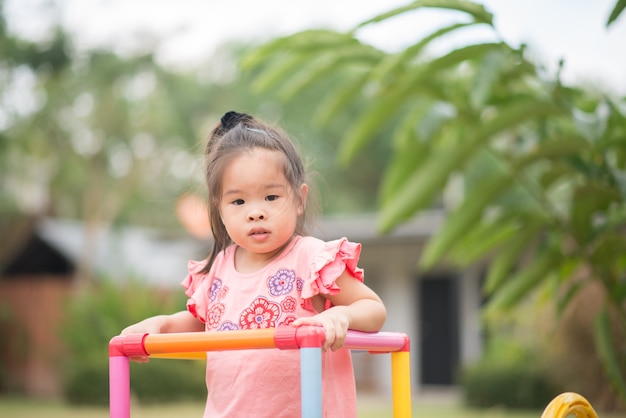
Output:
x=266 y=382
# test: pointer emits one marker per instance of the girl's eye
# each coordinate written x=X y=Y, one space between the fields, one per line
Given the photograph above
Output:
x=238 y=202
x=271 y=197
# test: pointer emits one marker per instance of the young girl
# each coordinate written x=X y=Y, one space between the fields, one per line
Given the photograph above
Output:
x=264 y=272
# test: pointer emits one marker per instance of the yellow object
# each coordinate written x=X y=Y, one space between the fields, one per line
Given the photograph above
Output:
x=401 y=384
x=569 y=404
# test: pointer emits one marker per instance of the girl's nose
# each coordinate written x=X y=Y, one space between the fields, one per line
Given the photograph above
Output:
x=256 y=215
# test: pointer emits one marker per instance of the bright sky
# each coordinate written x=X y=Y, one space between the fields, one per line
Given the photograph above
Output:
x=186 y=32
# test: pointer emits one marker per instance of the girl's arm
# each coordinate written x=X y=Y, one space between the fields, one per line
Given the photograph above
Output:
x=355 y=307
x=179 y=322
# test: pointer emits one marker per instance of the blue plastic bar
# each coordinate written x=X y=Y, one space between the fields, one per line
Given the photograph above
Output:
x=311 y=381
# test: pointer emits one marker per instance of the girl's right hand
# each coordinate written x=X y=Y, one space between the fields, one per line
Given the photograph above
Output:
x=178 y=322
x=147 y=326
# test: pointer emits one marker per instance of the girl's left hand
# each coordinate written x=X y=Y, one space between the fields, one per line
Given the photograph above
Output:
x=335 y=322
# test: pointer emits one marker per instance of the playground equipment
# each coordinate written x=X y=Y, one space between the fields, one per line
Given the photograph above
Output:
x=308 y=339
x=569 y=404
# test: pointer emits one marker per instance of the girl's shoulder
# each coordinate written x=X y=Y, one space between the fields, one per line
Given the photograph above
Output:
x=323 y=263
x=198 y=267
x=319 y=252
x=314 y=243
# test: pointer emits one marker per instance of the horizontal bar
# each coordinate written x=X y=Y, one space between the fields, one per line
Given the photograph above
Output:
x=188 y=342
x=193 y=344
x=377 y=341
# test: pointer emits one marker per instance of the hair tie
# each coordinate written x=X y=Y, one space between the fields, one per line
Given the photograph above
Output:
x=232 y=118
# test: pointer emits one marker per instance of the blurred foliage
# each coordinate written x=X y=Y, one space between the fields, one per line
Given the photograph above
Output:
x=515 y=371
x=111 y=140
x=99 y=313
x=517 y=384
x=536 y=169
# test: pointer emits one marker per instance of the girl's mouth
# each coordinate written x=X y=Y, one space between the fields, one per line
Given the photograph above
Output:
x=259 y=234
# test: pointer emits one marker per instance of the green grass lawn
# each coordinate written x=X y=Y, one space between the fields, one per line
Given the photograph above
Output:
x=368 y=408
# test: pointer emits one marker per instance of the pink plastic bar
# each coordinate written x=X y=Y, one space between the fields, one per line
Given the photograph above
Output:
x=306 y=338
x=384 y=342
x=119 y=386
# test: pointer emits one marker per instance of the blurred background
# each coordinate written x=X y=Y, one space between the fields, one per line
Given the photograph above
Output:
x=476 y=149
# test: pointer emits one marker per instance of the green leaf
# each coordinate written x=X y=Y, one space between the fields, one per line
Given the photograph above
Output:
x=482 y=239
x=382 y=108
x=588 y=200
x=432 y=122
x=323 y=67
x=375 y=118
x=277 y=72
x=309 y=41
x=409 y=154
x=463 y=219
x=557 y=148
x=507 y=258
x=515 y=289
x=617 y=10
x=421 y=187
x=604 y=344
x=564 y=300
x=607 y=254
x=477 y=11
x=393 y=63
x=350 y=90
x=459 y=55
x=487 y=75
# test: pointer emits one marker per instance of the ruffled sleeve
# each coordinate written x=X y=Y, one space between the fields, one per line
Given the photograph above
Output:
x=196 y=286
x=328 y=263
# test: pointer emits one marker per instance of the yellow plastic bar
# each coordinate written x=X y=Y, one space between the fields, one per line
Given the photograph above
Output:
x=194 y=342
x=569 y=404
x=401 y=383
x=181 y=356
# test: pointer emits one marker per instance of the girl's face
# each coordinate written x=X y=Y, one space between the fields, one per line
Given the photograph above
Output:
x=258 y=206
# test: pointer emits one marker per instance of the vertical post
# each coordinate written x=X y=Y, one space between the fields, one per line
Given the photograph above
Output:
x=119 y=386
x=310 y=339
x=121 y=348
x=311 y=381
x=401 y=384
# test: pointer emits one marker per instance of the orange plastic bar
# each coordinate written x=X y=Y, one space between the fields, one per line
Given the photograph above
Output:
x=191 y=342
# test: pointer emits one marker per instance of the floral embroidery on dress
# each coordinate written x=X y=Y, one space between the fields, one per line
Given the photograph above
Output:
x=299 y=284
x=281 y=283
x=288 y=304
x=288 y=320
x=222 y=293
x=214 y=315
x=215 y=288
x=260 y=314
x=228 y=326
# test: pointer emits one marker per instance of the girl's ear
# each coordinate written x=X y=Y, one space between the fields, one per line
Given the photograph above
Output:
x=191 y=211
x=302 y=193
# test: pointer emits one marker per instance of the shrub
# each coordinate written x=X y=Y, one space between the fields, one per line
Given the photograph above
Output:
x=168 y=381
x=520 y=384
x=88 y=384
x=155 y=382
x=101 y=312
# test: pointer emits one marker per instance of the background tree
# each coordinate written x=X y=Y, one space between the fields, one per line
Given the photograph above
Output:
x=539 y=168
x=111 y=140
